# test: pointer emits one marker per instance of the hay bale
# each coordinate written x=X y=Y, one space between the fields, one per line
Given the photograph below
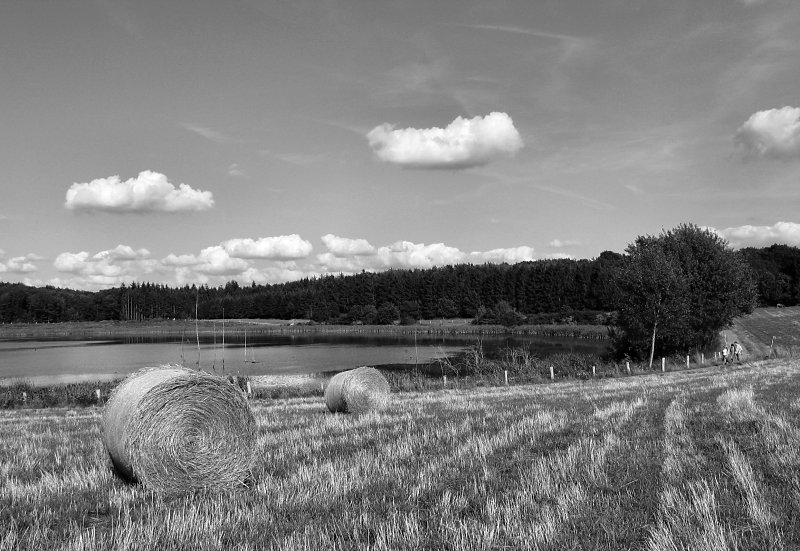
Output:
x=357 y=391
x=174 y=429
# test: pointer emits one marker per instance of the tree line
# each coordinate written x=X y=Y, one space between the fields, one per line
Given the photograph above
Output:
x=541 y=291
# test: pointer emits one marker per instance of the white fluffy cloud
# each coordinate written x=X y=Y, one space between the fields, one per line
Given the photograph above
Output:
x=774 y=133
x=407 y=255
x=463 y=143
x=787 y=233
x=264 y=260
x=344 y=247
x=19 y=265
x=282 y=247
x=148 y=192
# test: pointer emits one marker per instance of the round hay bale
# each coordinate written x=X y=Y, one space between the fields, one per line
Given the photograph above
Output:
x=357 y=391
x=174 y=429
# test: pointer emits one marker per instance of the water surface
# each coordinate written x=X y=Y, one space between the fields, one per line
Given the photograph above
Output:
x=53 y=361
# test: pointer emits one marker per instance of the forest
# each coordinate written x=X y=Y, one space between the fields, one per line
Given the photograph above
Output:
x=541 y=291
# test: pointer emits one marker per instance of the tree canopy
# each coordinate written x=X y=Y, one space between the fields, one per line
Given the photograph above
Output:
x=676 y=291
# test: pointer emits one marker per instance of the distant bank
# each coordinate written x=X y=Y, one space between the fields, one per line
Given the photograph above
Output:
x=239 y=327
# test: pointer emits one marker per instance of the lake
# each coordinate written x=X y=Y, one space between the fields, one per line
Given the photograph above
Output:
x=282 y=356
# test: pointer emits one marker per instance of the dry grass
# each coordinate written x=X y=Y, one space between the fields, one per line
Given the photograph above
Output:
x=702 y=459
x=175 y=429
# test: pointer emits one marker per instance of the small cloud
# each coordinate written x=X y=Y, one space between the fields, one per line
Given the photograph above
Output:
x=344 y=247
x=208 y=133
x=148 y=192
x=236 y=171
x=774 y=134
x=559 y=244
x=761 y=236
x=282 y=247
x=511 y=255
x=122 y=252
x=464 y=143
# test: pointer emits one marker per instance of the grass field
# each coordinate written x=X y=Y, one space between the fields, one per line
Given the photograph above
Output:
x=703 y=459
x=779 y=327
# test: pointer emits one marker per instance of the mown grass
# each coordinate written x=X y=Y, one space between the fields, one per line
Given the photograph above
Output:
x=698 y=459
x=770 y=332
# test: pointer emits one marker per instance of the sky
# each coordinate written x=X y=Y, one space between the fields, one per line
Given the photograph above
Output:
x=199 y=142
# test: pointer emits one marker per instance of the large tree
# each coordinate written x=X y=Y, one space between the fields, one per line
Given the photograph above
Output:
x=676 y=291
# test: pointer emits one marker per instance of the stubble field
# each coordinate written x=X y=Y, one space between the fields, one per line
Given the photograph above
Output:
x=700 y=459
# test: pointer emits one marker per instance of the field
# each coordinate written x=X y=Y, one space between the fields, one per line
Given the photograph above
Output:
x=699 y=459
x=779 y=327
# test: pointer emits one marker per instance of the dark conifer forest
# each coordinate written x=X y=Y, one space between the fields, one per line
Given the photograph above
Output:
x=542 y=291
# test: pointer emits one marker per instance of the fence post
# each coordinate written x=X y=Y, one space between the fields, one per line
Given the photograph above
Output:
x=552 y=375
x=687 y=361
x=506 y=373
x=663 y=364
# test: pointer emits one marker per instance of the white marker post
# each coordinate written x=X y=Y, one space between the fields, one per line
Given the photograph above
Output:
x=506 y=373
x=628 y=367
x=97 y=393
x=687 y=361
x=444 y=380
x=249 y=389
x=552 y=375
x=593 y=371
x=663 y=364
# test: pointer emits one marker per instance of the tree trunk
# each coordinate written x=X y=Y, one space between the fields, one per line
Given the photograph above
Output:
x=653 y=344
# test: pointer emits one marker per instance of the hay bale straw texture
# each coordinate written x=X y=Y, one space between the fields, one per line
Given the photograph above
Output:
x=357 y=391
x=175 y=429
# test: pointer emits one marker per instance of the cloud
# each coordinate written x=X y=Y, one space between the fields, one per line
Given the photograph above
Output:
x=282 y=247
x=761 y=236
x=464 y=143
x=236 y=171
x=559 y=243
x=407 y=255
x=344 y=247
x=509 y=256
x=148 y=192
x=19 y=265
x=208 y=133
x=774 y=133
x=104 y=269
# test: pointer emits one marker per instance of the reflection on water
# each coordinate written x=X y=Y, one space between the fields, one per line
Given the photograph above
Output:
x=60 y=361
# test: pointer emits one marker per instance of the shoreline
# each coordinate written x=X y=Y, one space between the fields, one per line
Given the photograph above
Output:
x=177 y=328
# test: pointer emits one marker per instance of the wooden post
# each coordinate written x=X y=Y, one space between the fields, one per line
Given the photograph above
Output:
x=628 y=367
x=703 y=358
x=663 y=364
x=552 y=375
x=506 y=373
x=444 y=380
x=769 y=355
